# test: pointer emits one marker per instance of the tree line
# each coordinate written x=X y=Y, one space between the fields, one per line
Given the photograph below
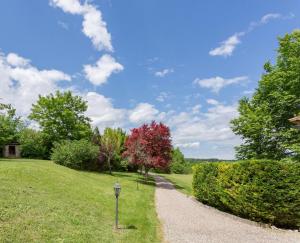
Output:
x=66 y=136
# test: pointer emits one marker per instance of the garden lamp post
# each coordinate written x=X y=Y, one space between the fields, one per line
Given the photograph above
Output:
x=117 y=189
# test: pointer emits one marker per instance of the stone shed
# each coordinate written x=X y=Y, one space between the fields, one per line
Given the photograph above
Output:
x=12 y=150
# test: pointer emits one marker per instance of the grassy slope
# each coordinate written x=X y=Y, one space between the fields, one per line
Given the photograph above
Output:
x=42 y=202
x=181 y=182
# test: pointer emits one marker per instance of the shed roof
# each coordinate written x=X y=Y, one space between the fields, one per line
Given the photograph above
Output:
x=13 y=143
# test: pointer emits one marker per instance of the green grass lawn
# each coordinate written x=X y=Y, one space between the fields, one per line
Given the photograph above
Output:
x=182 y=182
x=44 y=202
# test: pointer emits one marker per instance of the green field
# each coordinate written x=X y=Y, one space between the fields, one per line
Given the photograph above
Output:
x=182 y=182
x=44 y=202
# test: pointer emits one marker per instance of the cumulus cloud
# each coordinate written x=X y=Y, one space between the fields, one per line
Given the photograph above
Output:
x=211 y=127
x=215 y=84
x=17 y=61
x=101 y=71
x=21 y=83
x=228 y=46
x=102 y=111
x=163 y=72
x=93 y=25
x=143 y=112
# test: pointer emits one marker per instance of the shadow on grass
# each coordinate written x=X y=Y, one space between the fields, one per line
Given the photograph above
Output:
x=127 y=227
x=165 y=183
x=144 y=181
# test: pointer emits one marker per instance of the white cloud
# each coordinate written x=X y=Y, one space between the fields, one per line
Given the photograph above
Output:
x=99 y=73
x=21 y=83
x=163 y=72
x=196 y=109
x=162 y=97
x=17 y=61
x=229 y=45
x=212 y=102
x=209 y=128
x=266 y=18
x=102 y=112
x=143 y=112
x=215 y=84
x=188 y=145
x=93 y=26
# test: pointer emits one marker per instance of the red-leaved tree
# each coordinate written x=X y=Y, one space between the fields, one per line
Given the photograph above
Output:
x=149 y=146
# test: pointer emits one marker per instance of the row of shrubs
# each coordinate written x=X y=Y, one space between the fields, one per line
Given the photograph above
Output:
x=260 y=190
x=84 y=155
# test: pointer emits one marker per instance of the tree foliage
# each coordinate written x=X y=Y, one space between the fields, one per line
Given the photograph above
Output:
x=178 y=163
x=263 y=120
x=61 y=117
x=149 y=146
x=76 y=154
x=112 y=145
x=32 y=144
x=10 y=124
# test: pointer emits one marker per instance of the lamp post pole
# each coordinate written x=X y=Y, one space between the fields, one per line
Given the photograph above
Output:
x=117 y=211
x=117 y=188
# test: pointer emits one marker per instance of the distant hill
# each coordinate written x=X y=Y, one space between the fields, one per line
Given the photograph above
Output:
x=194 y=160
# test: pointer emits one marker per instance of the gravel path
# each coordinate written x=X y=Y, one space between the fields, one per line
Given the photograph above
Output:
x=186 y=220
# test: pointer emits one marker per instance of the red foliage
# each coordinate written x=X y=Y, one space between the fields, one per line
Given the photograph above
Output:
x=149 y=145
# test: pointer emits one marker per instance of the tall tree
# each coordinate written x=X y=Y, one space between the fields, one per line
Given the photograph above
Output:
x=178 y=164
x=263 y=120
x=96 y=137
x=149 y=146
x=61 y=117
x=111 y=144
x=10 y=124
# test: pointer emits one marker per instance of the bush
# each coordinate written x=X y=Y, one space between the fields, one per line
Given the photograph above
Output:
x=32 y=144
x=178 y=164
x=77 y=154
x=266 y=191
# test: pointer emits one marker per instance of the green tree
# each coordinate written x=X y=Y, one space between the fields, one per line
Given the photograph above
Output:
x=61 y=117
x=10 y=124
x=112 y=145
x=32 y=144
x=96 y=137
x=263 y=120
x=178 y=164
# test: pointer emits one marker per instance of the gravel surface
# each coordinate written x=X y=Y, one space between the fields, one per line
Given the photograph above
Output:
x=186 y=220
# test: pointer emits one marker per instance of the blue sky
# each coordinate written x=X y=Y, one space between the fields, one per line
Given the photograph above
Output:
x=185 y=63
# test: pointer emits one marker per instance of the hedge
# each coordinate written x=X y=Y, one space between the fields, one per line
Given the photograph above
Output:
x=77 y=154
x=260 y=190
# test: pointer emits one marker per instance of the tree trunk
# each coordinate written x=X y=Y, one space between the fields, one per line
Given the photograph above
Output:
x=146 y=172
x=109 y=165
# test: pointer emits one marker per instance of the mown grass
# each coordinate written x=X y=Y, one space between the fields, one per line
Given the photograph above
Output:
x=44 y=202
x=181 y=182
